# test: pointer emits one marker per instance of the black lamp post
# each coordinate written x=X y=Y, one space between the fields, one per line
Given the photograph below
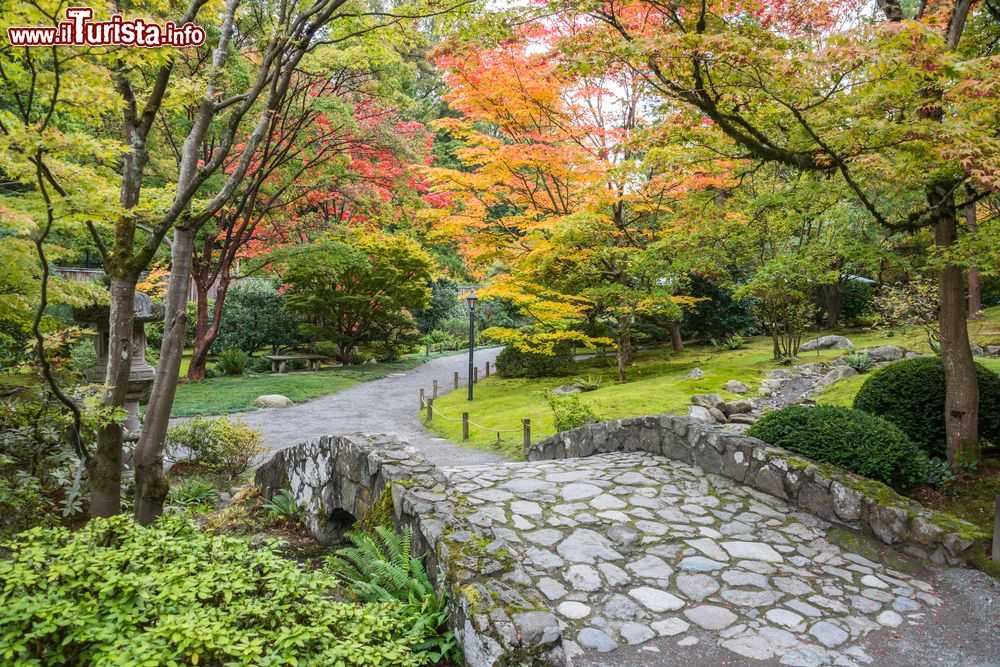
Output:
x=471 y=299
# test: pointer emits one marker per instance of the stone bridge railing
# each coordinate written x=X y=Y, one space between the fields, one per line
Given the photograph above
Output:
x=825 y=490
x=497 y=613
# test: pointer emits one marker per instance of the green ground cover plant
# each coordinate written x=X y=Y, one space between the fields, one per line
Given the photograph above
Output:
x=117 y=594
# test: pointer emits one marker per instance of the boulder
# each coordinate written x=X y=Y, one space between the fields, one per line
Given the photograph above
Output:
x=827 y=343
x=742 y=419
x=700 y=413
x=838 y=373
x=976 y=350
x=694 y=374
x=718 y=415
x=736 y=387
x=810 y=370
x=273 y=401
x=707 y=400
x=730 y=408
x=885 y=353
x=993 y=350
x=566 y=389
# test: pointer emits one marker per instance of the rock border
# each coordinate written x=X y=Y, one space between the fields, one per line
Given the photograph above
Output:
x=825 y=490
x=496 y=612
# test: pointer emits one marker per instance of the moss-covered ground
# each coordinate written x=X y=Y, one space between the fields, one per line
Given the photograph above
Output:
x=656 y=384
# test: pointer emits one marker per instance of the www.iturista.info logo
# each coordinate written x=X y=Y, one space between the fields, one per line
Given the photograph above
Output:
x=80 y=30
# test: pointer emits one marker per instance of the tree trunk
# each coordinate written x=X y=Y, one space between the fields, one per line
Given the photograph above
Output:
x=961 y=385
x=624 y=345
x=676 y=342
x=106 y=464
x=150 y=484
x=975 y=290
x=206 y=332
x=834 y=299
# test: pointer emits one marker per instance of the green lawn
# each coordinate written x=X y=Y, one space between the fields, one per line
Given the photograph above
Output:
x=236 y=394
x=655 y=385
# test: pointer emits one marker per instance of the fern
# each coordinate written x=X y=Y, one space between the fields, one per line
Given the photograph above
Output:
x=380 y=567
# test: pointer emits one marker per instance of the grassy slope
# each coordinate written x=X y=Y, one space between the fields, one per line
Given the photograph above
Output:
x=236 y=394
x=656 y=385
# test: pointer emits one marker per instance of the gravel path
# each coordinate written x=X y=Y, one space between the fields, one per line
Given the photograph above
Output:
x=389 y=405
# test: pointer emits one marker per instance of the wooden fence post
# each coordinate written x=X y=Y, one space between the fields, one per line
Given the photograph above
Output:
x=526 y=425
x=421 y=397
x=430 y=409
x=475 y=374
x=487 y=369
x=456 y=379
x=465 y=426
x=434 y=389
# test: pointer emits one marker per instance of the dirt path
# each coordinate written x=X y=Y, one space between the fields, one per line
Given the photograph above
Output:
x=389 y=405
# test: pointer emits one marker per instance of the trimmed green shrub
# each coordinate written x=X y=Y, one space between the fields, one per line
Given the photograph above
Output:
x=232 y=362
x=852 y=439
x=570 y=411
x=515 y=363
x=115 y=593
x=910 y=394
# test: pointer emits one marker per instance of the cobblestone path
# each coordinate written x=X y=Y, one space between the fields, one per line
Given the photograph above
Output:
x=641 y=552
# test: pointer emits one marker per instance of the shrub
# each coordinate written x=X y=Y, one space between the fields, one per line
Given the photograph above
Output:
x=589 y=383
x=259 y=365
x=910 y=394
x=733 y=342
x=193 y=491
x=228 y=446
x=255 y=318
x=283 y=505
x=852 y=439
x=72 y=598
x=859 y=361
x=570 y=411
x=515 y=363
x=232 y=362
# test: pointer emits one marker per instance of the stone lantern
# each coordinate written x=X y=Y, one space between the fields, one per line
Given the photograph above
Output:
x=141 y=374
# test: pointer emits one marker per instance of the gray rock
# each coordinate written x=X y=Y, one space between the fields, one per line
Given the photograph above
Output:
x=623 y=534
x=595 y=639
x=700 y=564
x=827 y=343
x=273 y=401
x=736 y=387
x=583 y=578
x=717 y=415
x=889 y=619
x=742 y=419
x=828 y=634
x=701 y=414
x=635 y=633
x=694 y=373
x=537 y=627
x=707 y=400
x=574 y=610
x=710 y=617
x=836 y=374
x=586 y=546
x=670 y=627
x=752 y=551
x=655 y=599
x=697 y=587
x=740 y=407
x=752 y=646
x=565 y=389
x=621 y=607
x=885 y=353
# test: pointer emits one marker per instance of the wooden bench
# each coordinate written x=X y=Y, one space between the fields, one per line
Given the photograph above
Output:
x=312 y=360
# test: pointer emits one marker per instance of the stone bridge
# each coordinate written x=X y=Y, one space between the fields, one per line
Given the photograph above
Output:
x=629 y=534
